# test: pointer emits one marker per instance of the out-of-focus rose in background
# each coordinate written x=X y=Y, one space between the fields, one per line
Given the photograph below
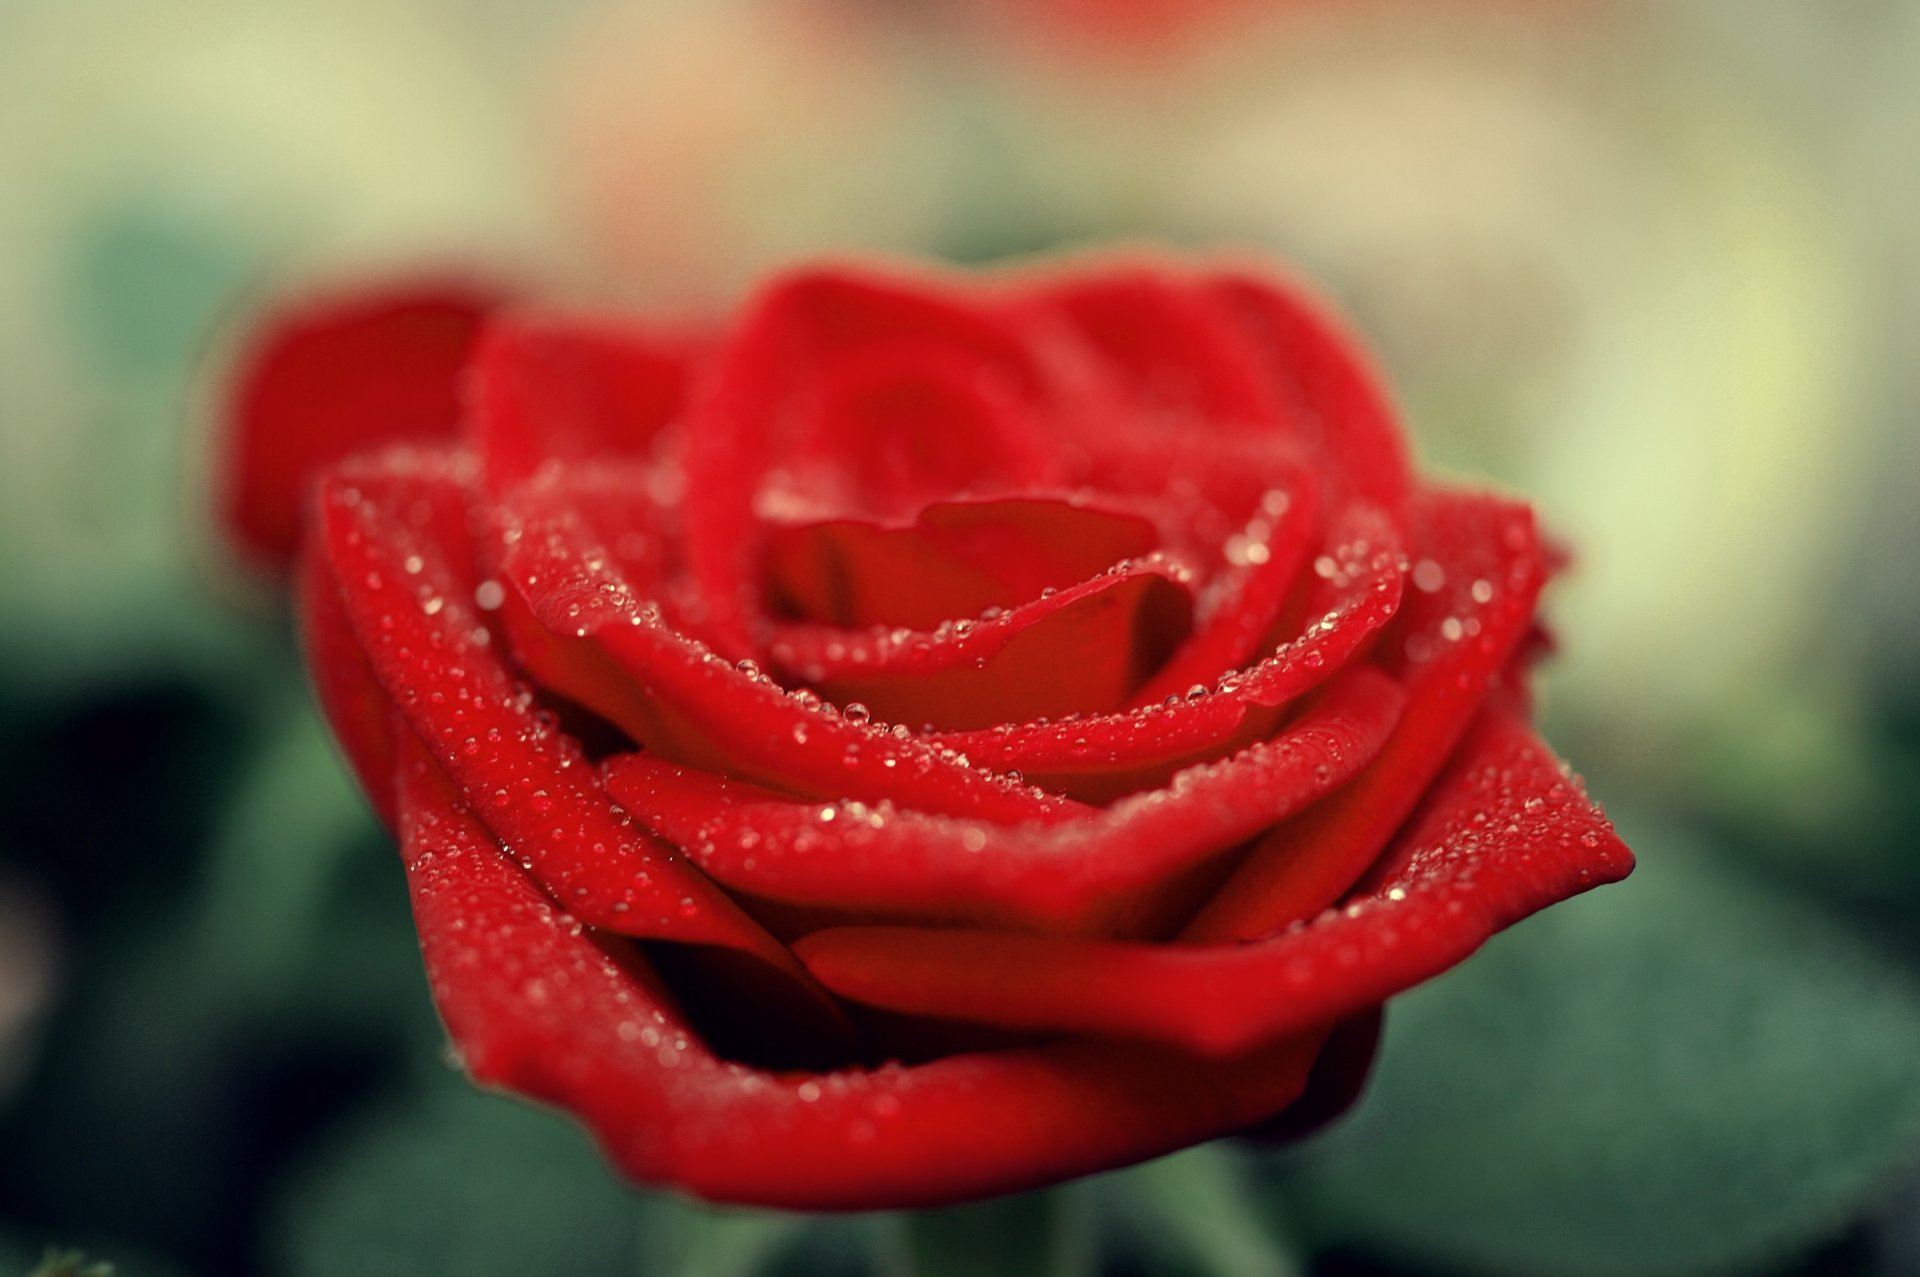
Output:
x=1657 y=264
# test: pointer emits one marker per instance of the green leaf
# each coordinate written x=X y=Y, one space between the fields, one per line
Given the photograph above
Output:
x=1685 y=1072
x=296 y=819
x=461 y=1182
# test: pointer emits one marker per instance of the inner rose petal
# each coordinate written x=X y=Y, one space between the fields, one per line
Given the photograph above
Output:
x=585 y=633
x=956 y=560
x=1099 y=757
x=1080 y=650
x=883 y=432
x=753 y=416
x=1164 y=346
x=1332 y=395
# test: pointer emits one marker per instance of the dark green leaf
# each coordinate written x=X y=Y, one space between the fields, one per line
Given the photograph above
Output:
x=1682 y=1073
x=459 y=1182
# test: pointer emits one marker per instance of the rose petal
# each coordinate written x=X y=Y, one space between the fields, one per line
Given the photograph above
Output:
x=1084 y=649
x=896 y=426
x=357 y=708
x=1098 y=757
x=1476 y=579
x=1171 y=353
x=333 y=377
x=565 y=389
x=1506 y=833
x=1242 y=609
x=1339 y=1077
x=1329 y=386
x=536 y=1006
x=392 y=536
x=957 y=559
x=599 y=644
x=746 y=422
x=1095 y=874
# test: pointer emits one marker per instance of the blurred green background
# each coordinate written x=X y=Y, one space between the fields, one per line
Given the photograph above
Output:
x=1655 y=263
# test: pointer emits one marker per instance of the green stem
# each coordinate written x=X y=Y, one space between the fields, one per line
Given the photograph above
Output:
x=683 y=1239
x=1198 y=1207
x=1046 y=1234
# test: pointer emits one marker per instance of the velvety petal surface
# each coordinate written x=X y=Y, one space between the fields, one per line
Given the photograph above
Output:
x=927 y=738
x=1090 y=874
x=392 y=537
x=956 y=560
x=611 y=647
x=551 y=390
x=1356 y=590
x=539 y=1006
x=1506 y=833
x=753 y=414
x=1474 y=585
x=1085 y=649
x=332 y=377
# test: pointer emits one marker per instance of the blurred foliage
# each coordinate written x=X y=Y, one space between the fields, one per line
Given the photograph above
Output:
x=70 y=1264
x=1693 y=1073
x=1657 y=263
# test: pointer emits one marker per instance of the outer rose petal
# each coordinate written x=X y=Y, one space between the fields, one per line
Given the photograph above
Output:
x=1102 y=872
x=1504 y=834
x=357 y=707
x=1475 y=586
x=570 y=389
x=391 y=539
x=333 y=378
x=537 y=1006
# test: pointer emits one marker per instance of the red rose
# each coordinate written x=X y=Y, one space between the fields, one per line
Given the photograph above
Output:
x=926 y=738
